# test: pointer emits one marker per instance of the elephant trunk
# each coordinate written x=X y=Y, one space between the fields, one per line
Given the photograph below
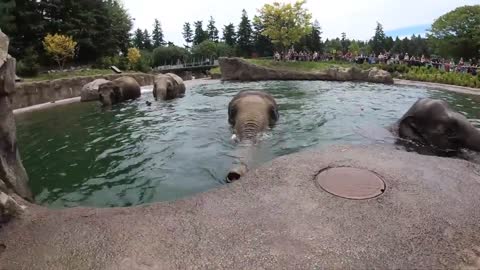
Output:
x=237 y=172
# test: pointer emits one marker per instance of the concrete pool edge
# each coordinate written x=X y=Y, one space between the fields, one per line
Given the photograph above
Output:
x=439 y=86
x=275 y=217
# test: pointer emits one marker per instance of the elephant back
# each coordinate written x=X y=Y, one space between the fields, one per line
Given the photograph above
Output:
x=130 y=88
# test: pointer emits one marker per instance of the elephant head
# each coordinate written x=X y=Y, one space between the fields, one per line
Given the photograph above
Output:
x=109 y=93
x=250 y=113
x=118 y=90
x=432 y=123
x=168 y=86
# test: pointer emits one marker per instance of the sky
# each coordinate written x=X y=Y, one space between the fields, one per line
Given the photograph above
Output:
x=357 y=18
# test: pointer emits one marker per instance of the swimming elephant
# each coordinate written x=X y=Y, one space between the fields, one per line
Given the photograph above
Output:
x=250 y=113
x=432 y=123
x=118 y=90
x=168 y=86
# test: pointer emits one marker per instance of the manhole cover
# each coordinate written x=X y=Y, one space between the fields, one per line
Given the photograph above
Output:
x=351 y=183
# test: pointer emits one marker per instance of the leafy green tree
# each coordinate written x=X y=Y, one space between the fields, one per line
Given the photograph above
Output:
x=212 y=30
x=157 y=34
x=457 y=33
x=285 y=24
x=147 y=41
x=200 y=34
x=187 y=33
x=206 y=49
x=354 y=48
x=169 y=55
x=244 y=35
x=229 y=35
x=378 y=41
x=223 y=49
x=262 y=45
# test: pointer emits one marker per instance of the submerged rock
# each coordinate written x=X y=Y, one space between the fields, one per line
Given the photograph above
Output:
x=237 y=69
x=90 y=90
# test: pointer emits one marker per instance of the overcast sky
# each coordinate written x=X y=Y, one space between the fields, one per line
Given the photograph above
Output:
x=357 y=18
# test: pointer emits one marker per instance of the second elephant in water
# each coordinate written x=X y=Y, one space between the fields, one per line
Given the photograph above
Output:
x=432 y=123
x=118 y=90
x=168 y=86
x=250 y=113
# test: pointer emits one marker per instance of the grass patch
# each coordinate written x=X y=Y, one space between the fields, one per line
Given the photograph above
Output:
x=298 y=66
x=215 y=70
x=424 y=74
x=68 y=74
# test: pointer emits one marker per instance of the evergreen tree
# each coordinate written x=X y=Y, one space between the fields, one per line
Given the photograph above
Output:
x=157 y=34
x=187 y=33
x=147 y=41
x=138 y=39
x=389 y=44
x=262 y=45
x=200 y=35
x=7 y=16
x=378 y=41
x=345 y=43
x=229 y=35
x=244 y=35
x=397 y=46
x=212 y=30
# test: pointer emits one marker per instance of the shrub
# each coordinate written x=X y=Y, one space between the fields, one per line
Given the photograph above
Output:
x=133 y=56
x=28 y=66
x=61 y=48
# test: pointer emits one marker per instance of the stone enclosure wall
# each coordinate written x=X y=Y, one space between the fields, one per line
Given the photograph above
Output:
x=33 y=93
x=13 y=177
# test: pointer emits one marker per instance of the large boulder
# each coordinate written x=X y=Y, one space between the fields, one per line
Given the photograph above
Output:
x=13 y=177
x=237 y=69
x=90 y=90
x=379 y=76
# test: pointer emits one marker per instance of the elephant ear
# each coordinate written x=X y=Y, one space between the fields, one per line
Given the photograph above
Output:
x=274 y=114
x=232 y=113
x=408 y=129
x=117 y=93
x=175 y=78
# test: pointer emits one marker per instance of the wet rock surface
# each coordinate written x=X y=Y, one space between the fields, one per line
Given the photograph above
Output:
x=90 y=90
x=13 y=177
x=276 y=217
x=237 y=69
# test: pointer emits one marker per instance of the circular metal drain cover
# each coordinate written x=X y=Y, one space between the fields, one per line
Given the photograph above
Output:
x=351 y=183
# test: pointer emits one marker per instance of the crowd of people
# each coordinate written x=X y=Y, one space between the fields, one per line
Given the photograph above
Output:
x=470 y=66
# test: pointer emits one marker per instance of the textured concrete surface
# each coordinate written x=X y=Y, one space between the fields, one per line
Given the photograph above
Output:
x=276 y=217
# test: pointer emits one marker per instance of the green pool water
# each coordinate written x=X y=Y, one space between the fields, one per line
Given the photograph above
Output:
x=81 y=155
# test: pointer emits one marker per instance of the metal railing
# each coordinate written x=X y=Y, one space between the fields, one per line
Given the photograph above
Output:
x=197 y=63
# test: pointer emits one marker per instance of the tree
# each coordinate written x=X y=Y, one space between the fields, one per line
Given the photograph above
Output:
x=314 y=39
x=262 y=45
x=133 y=56
x=244 y=35
x=147 y=41
x=229 y=35
x=206 y=49
x=7 y=15
x=345 y=43
x=138 y=39
x=169 y=55
x=157 y=34
x=378 y=41
x=61 y=48
x=457 y=33
x=285 y=24
x=212 y=30
x=200 y=34
x=187 y=33
x=389 y=44
x=354 y=48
